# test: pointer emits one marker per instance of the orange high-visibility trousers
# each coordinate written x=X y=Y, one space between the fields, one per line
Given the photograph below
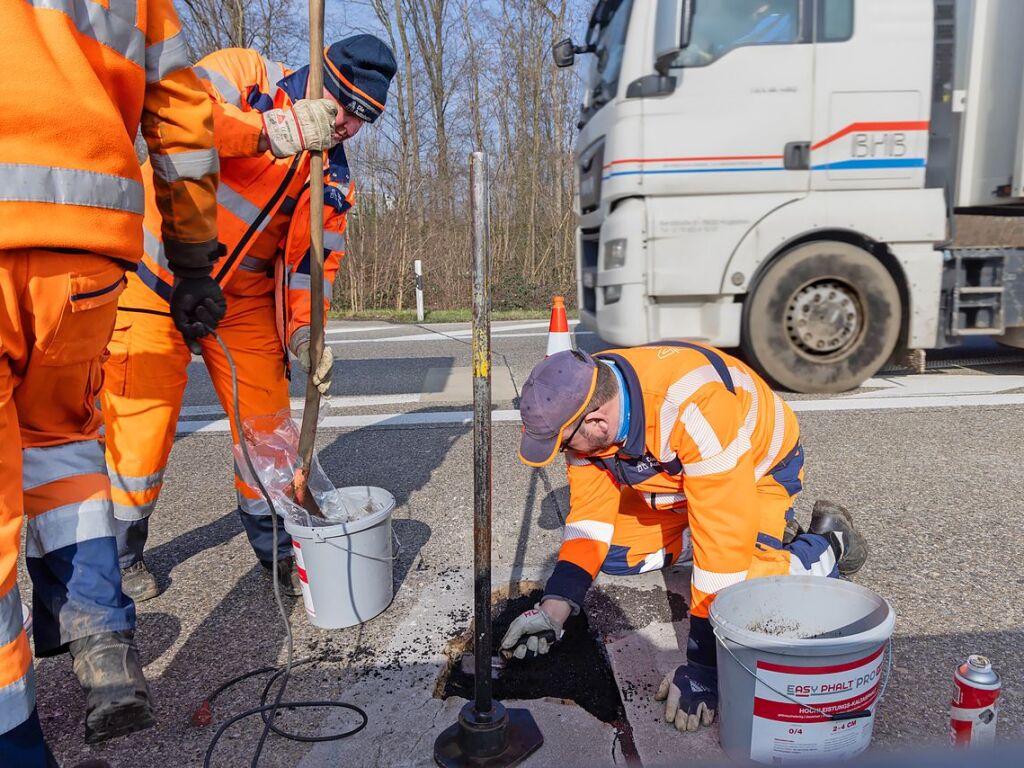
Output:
x=56 y=314
x=145 y=381
x=645 y=539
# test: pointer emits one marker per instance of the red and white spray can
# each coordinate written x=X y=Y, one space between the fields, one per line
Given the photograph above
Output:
x=975 y=707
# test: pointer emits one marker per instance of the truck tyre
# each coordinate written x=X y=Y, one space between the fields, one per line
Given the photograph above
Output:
x=822 y=318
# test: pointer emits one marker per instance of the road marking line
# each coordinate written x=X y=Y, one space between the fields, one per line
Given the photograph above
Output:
x=346 y=401
x=465 y=418
x=461 y=334
x=905 y=403
x=359 y=330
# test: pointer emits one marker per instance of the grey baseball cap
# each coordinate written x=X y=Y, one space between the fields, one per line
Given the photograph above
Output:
x=553 y=397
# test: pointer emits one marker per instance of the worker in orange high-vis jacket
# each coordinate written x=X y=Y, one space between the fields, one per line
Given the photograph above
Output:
x=264 y=119
x=79 y=80
x=674 y=451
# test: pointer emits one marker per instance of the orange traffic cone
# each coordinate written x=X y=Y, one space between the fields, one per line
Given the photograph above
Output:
x=559 y=339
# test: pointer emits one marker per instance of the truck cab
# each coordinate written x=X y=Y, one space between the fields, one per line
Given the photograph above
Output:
x=780 y=175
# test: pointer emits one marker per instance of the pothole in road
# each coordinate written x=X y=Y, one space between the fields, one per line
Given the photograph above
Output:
x=576 y=669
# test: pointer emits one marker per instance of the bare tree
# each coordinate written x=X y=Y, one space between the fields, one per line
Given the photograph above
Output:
x=276 y=28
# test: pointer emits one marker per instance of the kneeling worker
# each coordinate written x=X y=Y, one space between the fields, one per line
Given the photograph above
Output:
x=264 y=118
x=665 y=445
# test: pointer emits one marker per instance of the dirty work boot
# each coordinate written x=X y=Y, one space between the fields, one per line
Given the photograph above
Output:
x=835 y=523
x=116 y=693
x=287 y=576
x=793 y=529
x=138 y=583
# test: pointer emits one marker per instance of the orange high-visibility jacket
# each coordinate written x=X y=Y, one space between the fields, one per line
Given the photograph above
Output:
x=256 y=186
x=703 y=430
x=78 y=78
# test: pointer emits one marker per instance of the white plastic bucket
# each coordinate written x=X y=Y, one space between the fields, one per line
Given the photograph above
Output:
x=346 y=569
x=801 y=663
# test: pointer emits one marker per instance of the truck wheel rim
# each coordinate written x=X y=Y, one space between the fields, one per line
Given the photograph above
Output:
x=824 y=318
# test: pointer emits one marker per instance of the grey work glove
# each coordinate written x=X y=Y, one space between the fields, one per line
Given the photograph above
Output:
x=325 y=368
x=690 y=694
x=532 y=634
x=309 y=124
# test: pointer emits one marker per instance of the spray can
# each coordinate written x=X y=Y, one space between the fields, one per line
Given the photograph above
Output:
x=975 y=708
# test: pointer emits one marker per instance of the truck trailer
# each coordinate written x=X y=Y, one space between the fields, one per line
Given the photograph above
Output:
x=783 y=176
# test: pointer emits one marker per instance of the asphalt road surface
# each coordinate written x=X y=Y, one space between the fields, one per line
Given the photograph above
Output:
x=930 y=463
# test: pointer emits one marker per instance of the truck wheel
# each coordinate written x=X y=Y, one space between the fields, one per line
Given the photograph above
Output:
x=822 y=318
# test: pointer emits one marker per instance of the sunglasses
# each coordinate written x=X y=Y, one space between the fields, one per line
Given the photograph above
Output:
x=565 y=443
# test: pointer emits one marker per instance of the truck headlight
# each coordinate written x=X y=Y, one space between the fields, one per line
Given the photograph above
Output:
x=612 y=293
x=615 y=253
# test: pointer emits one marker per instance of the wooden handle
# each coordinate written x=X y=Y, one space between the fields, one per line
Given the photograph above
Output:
x=311 y=411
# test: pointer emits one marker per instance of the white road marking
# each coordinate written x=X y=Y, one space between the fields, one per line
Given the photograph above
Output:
x=329 y=331
x=346 y=401
x=935 y=384
x=460 y=334
x=455 y=418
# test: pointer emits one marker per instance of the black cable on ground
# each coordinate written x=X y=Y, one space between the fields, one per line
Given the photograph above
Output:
x=268 y=712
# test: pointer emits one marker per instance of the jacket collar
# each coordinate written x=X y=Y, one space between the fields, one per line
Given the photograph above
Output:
x=635 y=445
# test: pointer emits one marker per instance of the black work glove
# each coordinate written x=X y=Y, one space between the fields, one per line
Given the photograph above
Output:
x=197 y=302
x=197 y=307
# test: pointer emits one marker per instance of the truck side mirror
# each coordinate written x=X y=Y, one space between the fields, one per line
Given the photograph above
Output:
x=564 y=53
x=673 y=24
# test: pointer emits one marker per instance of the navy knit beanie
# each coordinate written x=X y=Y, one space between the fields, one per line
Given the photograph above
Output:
x=357 y=72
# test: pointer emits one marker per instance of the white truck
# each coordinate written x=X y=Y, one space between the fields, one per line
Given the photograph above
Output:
x=782 y=175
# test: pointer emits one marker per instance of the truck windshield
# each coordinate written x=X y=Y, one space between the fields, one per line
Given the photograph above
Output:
x=607 y=32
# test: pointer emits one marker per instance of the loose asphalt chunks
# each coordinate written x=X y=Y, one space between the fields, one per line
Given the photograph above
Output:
x=576 y=668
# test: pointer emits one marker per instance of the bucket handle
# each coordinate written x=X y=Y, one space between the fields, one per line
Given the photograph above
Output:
x=393 y=558
x=804 y=705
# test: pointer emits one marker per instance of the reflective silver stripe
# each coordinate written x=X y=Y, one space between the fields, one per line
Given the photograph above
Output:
x=221 y=83
x=334 y=241
x=302 y=282
x=254 y=264
x=710 y=582
x=165 y=57
x=67 y=525
x=106 y=27
x=130 y=513
x=775 y=445
x=744 y=380
x=18 y=699
x=257 y=507
x=239 y=206
x=724 y=461
x=700 y=431
x=192 y=164
x=41 y=184
x=154 y=248
x=125 y=9
x=130 y=484
x=821 y=567
x=664 y=500
x=10 y=615
x=46 y=465
x=274 y=73
x=654 y=561
x=141 y=148
x=682 y=390
x=594 y=530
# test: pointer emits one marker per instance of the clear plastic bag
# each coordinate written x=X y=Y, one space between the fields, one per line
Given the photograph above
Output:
x=273 y=443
